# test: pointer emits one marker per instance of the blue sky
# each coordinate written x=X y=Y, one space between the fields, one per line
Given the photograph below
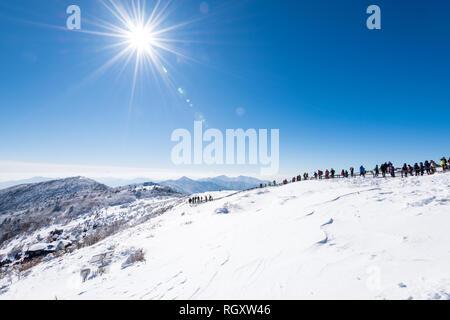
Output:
x=341 y=95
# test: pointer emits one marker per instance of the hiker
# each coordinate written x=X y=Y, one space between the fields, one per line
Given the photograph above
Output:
x=422 y=169
x=346 y=173
x=362 y=171
x=392 y=170
x=305 y=176
x=315 y=175
x=332 y=173
x=327 y=174
x=210 y=198
x=433 y=166
x=320 y=174
x=444 y=164
x=343 y=173
x=352 y=171
x=376 y=171
x=427 y=167
x=416 y=169
x=384 y=169
x=410 y=170
x=405 y=170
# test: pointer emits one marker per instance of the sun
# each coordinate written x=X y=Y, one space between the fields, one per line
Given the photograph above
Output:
x=140 y=38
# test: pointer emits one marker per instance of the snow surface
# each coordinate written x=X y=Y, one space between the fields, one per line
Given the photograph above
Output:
x=336 y=239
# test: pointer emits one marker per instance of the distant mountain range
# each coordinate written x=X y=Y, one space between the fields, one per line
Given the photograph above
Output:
x=7 y=184
x=184 y=184
x=220 y=183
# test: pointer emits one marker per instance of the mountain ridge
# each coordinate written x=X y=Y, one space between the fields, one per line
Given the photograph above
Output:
x=184 y=184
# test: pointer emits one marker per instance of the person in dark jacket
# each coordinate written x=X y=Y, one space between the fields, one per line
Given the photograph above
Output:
x=404 y=170
x=383 y=170
x=427 y=167
x=376 y=171
x=416 y=169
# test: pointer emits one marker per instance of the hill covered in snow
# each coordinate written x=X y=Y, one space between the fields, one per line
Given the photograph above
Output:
x=28 y=208
x=335 y=239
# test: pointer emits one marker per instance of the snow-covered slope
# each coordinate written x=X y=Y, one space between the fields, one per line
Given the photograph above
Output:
x=341 y=239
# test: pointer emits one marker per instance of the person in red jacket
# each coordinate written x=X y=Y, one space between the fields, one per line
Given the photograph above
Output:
x=320 y=172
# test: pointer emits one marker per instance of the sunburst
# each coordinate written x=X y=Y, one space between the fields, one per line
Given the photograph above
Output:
x=142 y=35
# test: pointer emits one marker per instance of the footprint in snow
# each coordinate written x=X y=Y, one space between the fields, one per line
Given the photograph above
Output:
x=222 y=211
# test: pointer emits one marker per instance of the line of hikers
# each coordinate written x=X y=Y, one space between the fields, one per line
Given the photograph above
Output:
x=199 y=199
x=387 y=168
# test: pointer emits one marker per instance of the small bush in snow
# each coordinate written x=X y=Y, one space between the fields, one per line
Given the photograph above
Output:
x=25 y=266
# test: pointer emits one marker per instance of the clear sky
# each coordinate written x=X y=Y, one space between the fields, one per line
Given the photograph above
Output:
x=340 y=94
